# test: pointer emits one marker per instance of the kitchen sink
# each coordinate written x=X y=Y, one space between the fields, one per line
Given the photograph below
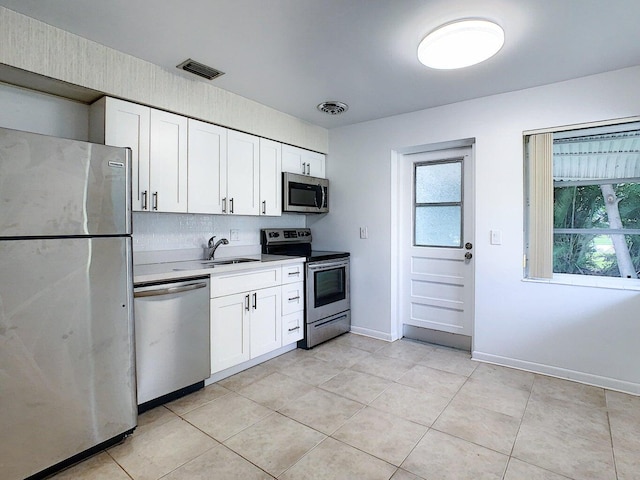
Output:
x=228 y=261
x=196 y=265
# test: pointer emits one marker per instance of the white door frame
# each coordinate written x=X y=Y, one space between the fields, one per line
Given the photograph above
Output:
x=397 y=207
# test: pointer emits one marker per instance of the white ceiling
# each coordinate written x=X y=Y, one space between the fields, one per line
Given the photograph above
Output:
x=294 y=54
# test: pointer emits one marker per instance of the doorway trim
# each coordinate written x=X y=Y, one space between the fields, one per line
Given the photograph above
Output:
x=397 y=158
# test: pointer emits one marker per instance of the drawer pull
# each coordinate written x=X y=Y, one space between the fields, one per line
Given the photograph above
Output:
x=294 y=329
x=294 y=298
x=291 y=274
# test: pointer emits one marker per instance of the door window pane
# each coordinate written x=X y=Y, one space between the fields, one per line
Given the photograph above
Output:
x=439 y=182
x=438 y=204
x=438 y=226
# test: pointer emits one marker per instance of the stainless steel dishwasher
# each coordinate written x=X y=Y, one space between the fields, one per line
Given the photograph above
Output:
x=172 y=339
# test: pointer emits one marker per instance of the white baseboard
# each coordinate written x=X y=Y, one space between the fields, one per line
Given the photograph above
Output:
x=564 y=373
x=372 y=333
x=217 y=376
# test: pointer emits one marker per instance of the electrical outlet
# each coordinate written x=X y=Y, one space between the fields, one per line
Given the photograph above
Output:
x=234 y=235
x=364 y=232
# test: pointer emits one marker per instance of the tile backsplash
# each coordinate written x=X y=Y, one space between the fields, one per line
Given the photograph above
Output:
x=178 y=231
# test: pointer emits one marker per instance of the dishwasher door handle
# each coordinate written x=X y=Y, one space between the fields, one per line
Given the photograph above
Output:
x=169 y=291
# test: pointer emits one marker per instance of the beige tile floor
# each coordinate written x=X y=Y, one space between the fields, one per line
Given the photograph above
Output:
x=360 y=408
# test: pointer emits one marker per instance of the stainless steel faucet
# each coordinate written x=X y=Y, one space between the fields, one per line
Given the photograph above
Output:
x=213 y=246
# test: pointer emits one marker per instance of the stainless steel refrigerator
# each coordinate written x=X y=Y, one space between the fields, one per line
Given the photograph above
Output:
x=67 y=372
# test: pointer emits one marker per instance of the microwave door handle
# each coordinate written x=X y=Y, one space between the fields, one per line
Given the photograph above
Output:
x=319 y=196
x=324 y=197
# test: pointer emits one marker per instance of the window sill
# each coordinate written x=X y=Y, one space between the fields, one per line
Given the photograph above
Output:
x=589 y=281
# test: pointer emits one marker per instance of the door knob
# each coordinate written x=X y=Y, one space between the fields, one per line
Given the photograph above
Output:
x=468 y=255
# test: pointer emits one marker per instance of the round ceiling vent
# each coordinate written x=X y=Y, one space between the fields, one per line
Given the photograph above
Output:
x=333 y=108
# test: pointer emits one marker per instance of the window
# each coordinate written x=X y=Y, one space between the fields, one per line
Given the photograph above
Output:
x=438 y=204
x=583 y=199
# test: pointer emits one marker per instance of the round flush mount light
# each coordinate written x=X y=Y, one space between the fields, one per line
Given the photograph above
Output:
x=461 y=44
x=333 y=107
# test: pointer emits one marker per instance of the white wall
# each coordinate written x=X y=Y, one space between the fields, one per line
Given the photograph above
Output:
x=589 y=334
x=31 y=111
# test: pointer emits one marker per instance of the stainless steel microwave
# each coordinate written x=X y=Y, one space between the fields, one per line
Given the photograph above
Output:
x=304 y=194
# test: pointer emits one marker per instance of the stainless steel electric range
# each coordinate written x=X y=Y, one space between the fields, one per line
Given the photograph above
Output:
x=327 y=303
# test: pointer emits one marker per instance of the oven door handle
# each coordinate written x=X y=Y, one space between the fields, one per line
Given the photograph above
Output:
x=326 y=266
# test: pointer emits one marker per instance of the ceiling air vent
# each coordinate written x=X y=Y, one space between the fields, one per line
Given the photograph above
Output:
x=333 y=108
x=200 y=69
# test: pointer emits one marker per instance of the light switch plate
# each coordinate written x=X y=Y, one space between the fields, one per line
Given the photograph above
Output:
x=364 y=232
x=496 y=237
x=234 y=235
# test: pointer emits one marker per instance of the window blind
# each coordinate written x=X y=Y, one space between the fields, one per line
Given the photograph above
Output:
x=540 y=159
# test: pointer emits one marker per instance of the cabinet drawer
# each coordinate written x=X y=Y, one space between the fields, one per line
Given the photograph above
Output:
x=245 y=280
x=292 y=298
x=292 y=327
x=293 y=273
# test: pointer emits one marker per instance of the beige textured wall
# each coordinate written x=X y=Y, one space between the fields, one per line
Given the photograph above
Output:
x=31 y=45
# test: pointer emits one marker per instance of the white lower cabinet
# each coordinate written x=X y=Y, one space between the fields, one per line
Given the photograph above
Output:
x=292 y=327
x=229 y=331
x=292 y=310
x=253 y=313
x=265 y=325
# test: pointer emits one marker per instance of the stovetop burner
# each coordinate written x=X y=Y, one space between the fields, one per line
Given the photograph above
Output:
x=321 y=255
x=294 y=242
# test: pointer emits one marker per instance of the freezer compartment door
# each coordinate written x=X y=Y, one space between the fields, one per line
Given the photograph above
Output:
x=67 y=372
x=57 y=187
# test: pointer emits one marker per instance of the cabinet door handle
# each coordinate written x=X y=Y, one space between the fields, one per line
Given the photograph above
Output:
x=264 y=207
x=231 y=205
x=144 y=200
x=246 y=302
x=308 y=169
x=294 y=329
x=293 y=274
x=224 y=205
x=304 y=168
x=255 y=300
x=154 y=198
x=294 y=298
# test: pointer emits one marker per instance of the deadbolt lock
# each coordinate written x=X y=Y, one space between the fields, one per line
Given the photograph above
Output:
x=468 y=246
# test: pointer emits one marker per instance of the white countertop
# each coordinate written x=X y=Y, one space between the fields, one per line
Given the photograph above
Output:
x=153 y=272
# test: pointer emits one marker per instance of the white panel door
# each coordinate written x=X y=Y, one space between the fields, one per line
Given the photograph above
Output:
x=270 y=177
x=168 y=162
x=207 y=177
x=437 y=253
x=127 y=125
x=243 y=174
x=266 y=321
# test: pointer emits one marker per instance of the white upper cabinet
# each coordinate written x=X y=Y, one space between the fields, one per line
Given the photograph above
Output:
x=158 y=141
x=207 y=167
x=124 y=124
x=303 y=162
x=270 y=177
x=243 y=174
x=181 y=164
x=168 y=162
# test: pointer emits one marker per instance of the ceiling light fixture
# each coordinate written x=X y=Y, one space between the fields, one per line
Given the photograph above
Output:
x=461 y=44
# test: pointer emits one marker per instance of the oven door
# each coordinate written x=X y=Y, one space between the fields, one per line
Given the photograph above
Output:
x=327 y=288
